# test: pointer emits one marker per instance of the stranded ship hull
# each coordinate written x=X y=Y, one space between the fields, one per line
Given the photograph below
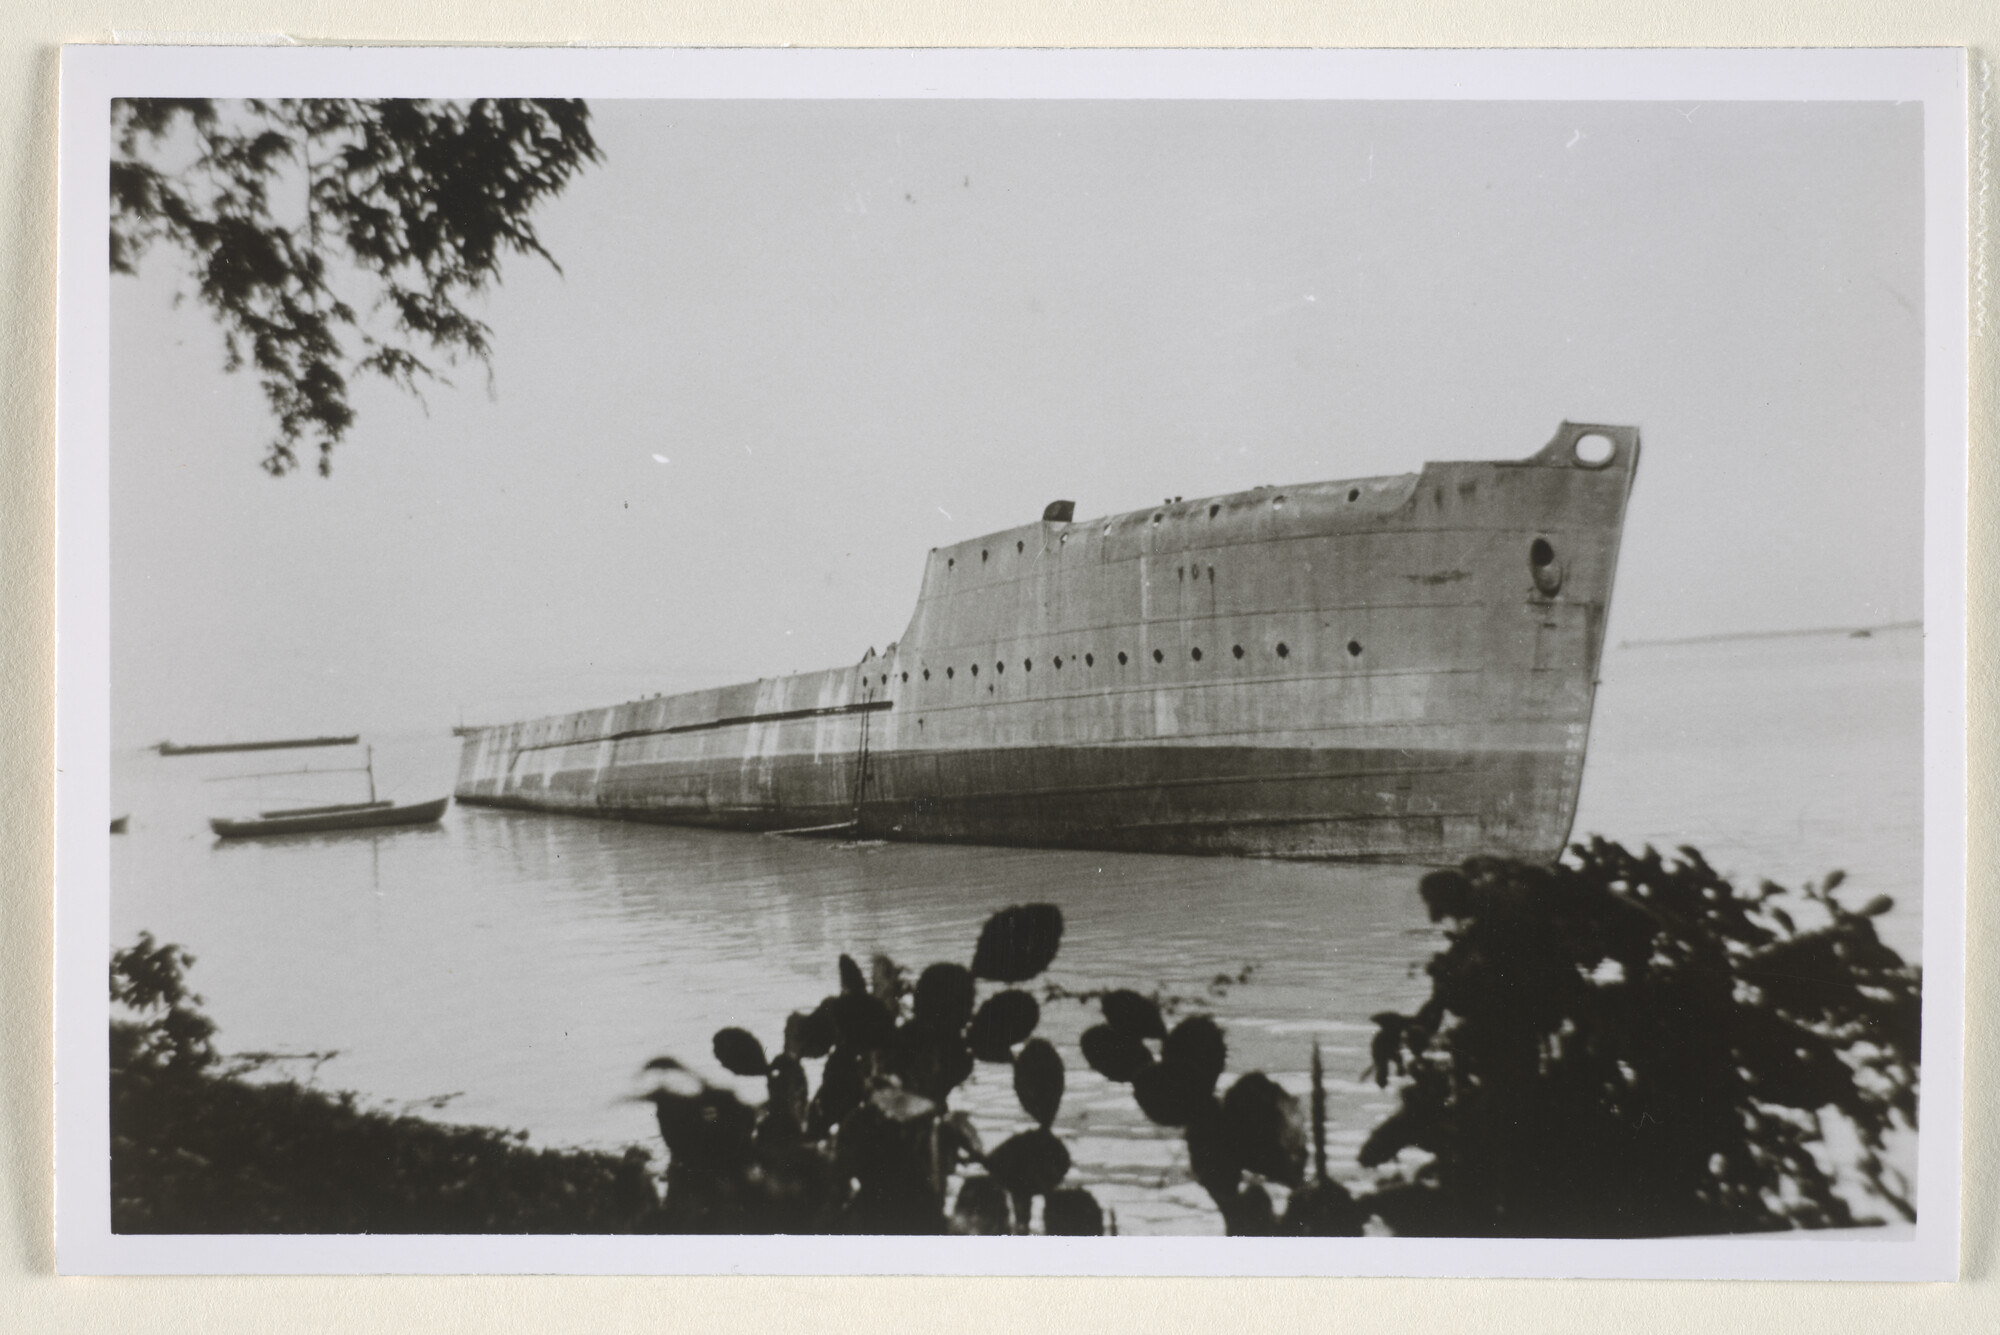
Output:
x=1393 y=669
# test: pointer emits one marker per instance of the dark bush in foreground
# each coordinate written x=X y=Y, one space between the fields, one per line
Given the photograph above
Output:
x=197 y=1150
x=1619 y=1046
x=875 y=1148
x=1614 y=1046
x=1237 y=1142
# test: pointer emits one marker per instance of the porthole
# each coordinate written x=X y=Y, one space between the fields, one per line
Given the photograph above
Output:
x=1157 y=518
x=906 y=676
x=1059 y=662
x=1020 y=547
x=1236 y=649
x=1121 y=658
x=1027 y=665
x=1090 y=660
x=1195 y=655
x=999 y=668
x=982 y=555
x=1354 y=648
x=927 y=674
x=885 y=679
x=1594 y=449
x=1284 y=650
x=975 y=669
x=1158 y=656
x=1353 y=494
x=950 y=561
x=949 y=673
x=1542 y=564
x=1214 y=510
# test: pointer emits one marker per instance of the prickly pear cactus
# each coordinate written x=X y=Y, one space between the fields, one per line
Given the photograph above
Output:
x=876 y=1146
x=1238 y=1141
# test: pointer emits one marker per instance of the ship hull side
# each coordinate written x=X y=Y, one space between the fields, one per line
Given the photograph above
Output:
x=1399 y=805
x=1396 y=669
x=1388 y=804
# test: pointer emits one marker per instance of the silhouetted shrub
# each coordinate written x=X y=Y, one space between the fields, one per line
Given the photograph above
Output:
x=875 y=1148
x=1621 y=1046
x=196 y=1148
x=1252 y=1135
x=1614 y=1046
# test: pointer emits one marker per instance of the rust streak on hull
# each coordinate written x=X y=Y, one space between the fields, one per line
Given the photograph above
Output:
x=1396 y=668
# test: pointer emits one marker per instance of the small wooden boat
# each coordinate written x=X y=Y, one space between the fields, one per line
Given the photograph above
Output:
x=343 y=816
x=375 y=813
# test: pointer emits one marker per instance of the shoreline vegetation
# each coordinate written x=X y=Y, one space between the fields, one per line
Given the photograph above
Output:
x=1620 y=1045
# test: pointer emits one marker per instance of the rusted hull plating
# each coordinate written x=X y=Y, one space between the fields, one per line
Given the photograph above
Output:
x=1388 y=669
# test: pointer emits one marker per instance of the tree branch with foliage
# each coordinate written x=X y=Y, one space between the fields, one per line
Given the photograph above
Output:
x=333 y=238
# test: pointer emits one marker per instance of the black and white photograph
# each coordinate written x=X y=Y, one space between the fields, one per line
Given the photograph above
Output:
x=1012 y=662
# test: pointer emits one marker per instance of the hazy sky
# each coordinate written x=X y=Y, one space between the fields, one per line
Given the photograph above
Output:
x=858 y=330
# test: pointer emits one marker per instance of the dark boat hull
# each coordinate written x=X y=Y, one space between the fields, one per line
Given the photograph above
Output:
x=282 y=744
x=1389 y=669
x=365 y=817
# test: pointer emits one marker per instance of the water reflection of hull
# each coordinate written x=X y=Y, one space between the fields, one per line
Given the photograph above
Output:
x=1396 y=668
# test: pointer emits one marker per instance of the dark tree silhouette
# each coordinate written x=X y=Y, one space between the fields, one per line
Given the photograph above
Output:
x=197 y=1147
x=282 y=207
x=1623 y=1046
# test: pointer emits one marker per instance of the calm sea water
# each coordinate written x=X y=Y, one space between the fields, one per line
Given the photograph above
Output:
x=517 y=970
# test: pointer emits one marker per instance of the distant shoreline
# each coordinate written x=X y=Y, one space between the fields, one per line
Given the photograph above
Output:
x=1854 y=632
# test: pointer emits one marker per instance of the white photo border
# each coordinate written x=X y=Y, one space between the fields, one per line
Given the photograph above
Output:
x=93 y=75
